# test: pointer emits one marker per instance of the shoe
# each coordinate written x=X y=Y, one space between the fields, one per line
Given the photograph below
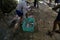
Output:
x=57 y=31
x=50 y=33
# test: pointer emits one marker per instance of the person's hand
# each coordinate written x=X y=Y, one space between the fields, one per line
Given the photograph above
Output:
x=16 y=26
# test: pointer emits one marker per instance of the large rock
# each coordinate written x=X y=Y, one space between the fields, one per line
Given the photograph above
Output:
x=7 y=6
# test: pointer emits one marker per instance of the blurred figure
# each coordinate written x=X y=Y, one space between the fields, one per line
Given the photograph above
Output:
x=36 y=3
x=57 y=2
x=50 y=1
x=22 y=6
x=57 y=20
x=21 y=11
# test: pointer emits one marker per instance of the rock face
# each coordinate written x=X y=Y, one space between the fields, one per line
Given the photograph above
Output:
x=4 y=24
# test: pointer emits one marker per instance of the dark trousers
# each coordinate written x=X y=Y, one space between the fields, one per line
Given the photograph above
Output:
x=35 y=3
x=55 y=25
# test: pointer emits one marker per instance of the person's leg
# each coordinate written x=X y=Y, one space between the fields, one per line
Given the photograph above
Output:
x=24 y=15
x=34 y=3
x=50 y=33
x=59 y=25
x=54 y=26
x=37 y=4
x=20 y=24
x=21 y=19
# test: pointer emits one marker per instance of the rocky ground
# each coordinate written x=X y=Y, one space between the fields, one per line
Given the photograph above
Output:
x=44 y=17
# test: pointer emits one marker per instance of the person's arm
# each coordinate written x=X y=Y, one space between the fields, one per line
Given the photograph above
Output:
x=25 y=6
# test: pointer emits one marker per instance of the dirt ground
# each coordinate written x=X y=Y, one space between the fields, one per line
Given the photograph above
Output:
x=44 y=17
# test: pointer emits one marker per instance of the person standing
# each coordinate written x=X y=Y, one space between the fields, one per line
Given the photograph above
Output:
x=21 y=11
x=56 y=22
x=36 y=3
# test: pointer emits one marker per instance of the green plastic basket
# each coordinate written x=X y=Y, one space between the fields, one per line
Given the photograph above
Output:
x=29 y=21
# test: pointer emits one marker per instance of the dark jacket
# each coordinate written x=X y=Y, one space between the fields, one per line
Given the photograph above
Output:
x=57 y=1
